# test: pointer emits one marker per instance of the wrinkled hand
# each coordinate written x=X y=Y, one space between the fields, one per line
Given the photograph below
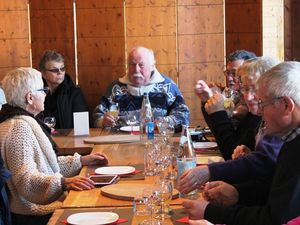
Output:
x=94 y=159
x=220 y=193
x=195 y=208
x=79 y=183
x=193 y=179
x=203 y=91
x=108 y=121
x=215 y=103
x=240 y=151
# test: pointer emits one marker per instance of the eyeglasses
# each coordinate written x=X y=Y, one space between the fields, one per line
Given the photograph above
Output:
x=230 y=73
x=263 y=104
x=57 y=70
x=45 y=90
x=248 y=90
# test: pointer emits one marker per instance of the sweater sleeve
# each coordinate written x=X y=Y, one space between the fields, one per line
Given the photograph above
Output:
x=69 y=165
x=33 y=175
x=260 y=163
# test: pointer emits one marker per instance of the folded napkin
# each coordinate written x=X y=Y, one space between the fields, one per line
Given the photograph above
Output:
x=120 y=220
x=186 y=220
x=183 y=220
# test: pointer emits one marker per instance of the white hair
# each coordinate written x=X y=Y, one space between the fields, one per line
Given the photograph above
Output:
x=18 y=82
x=255 y=67
x=282 y=80
x=149 y=52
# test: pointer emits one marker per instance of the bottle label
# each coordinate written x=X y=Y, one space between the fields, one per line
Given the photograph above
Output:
x=150 y=130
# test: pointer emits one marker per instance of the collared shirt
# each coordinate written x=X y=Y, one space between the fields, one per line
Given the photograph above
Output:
x=291 y=135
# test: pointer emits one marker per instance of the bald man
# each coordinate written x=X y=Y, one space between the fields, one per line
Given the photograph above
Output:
x=143 y=77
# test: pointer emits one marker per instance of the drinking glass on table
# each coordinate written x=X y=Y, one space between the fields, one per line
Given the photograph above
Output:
x=114 y=111
x=131 y=119
x=50 y=121
x=163 y=190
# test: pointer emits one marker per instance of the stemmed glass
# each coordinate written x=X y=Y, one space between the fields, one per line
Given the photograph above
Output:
x=163 y=190
x=114 y=111
x=50 y=121
x=131 y=120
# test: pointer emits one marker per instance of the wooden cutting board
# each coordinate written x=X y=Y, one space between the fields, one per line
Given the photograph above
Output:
x=128 y=191
x=110 y=139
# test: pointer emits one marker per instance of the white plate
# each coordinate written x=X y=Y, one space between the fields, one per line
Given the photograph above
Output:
x=115 y=170
x=128 y=128
x=205 y=145
x=92 y=218
x=204 y=159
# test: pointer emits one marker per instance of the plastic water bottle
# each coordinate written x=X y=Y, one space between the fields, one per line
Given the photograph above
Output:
x=146 y=124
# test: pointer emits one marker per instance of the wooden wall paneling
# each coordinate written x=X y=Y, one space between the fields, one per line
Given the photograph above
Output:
x=201 y=49
x=243 y=19
x=273 y=31
x=288 y=9
x=14 y=36
x=52 y=27
x=101 y=46
x=153 y=24
x=296 y=31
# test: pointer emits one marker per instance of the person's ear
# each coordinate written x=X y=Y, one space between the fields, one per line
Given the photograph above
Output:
x=288 y=103
x=29 y=98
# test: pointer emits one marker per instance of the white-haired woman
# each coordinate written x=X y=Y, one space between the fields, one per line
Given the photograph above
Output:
x=39 y=177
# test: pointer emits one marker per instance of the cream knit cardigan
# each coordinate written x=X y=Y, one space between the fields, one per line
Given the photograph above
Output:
x=35 y=185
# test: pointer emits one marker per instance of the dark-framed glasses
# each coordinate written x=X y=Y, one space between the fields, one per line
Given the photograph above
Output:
x=232 y=73
x=45 y=90
x=248 y=90
x=57 y=70
x=262 y=104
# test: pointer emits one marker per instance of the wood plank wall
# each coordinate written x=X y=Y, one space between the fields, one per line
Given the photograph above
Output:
x=273 y=31
x=101 y=46
x=201 y=48
x=52 y=27
x=244 y=25
x=14 y=36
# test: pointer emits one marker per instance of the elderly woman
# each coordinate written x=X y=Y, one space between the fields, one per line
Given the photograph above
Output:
x=64 y=97
x=39 y=178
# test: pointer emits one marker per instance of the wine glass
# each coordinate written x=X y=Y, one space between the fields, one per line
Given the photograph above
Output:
x=50 y=121
x=131 y=120
x=163 y=190
x=114 y=111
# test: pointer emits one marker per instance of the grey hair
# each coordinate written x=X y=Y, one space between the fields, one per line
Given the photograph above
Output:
x=255 y=67
x=50 y=55
x=149 y=52
x=282 y=80
x=18 y=82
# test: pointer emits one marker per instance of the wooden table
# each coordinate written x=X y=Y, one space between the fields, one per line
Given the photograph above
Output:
x=124 y=213
x=118 y=154
x=68 y=143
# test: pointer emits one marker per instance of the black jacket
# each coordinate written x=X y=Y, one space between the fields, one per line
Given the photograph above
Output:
x=273 y=204
x=67 y=98
x=227 y=136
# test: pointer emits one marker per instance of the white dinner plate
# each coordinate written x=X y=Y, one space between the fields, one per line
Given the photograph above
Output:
x=128 y=128
x=115 y=170
x=205 y=145
x=92 y=218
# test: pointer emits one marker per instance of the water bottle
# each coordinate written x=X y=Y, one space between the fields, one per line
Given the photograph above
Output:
x=186 y=159
x=146 y=124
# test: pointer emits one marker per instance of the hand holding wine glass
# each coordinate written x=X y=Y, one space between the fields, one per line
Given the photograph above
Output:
x=50 y=121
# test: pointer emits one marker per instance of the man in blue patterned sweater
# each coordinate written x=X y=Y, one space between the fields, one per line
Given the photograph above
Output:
x=143 y=77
